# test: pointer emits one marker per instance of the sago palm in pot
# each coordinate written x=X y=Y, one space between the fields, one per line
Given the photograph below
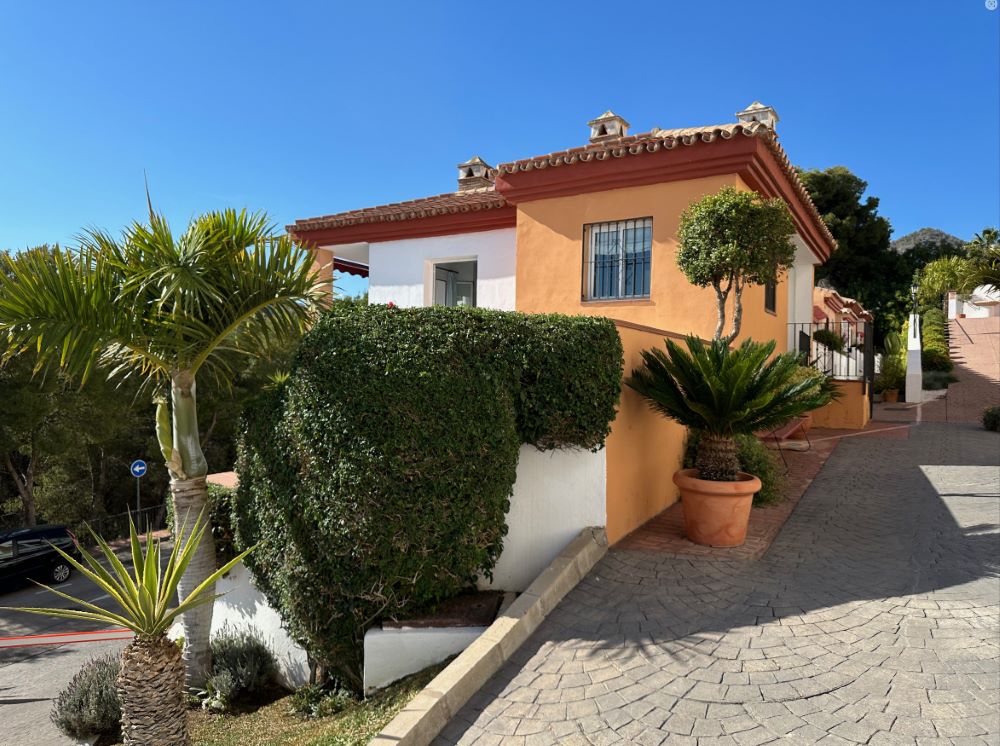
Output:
x=724 y=392
x=151 y=683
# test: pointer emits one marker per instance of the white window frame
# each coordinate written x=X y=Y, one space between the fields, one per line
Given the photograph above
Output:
x=591 y=231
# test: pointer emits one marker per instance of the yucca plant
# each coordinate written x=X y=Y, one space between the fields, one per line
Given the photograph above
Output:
x=151 y=683
x=724 y=392
x=165 y=309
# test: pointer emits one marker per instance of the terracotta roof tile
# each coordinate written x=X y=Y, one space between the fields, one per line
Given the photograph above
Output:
x=442 y=204
x=650 y=142
x=632 y=145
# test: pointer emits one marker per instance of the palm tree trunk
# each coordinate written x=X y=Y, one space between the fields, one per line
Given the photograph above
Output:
x=190 y=496
x=717 y=459
x=151 y=690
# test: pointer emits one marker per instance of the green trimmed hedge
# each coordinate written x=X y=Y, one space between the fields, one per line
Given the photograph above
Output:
x=934 y=355
x=377 y=479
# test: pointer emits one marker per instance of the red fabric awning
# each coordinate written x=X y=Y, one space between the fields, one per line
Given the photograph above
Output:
x=351 y=268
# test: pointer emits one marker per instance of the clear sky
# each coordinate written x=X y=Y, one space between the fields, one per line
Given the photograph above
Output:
x=307 y=108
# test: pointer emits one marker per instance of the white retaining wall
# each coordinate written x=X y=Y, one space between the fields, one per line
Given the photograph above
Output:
x=244 y=606
x=556 y=495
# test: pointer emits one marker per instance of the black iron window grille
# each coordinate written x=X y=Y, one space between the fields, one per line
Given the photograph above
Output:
x=618 y=259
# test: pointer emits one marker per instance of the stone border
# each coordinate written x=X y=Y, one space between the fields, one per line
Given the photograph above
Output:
x=429 y=712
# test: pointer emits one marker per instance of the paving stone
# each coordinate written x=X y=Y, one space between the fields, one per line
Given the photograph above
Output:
x=872 y=618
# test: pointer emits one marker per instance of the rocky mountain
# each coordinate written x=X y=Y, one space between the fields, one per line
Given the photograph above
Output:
x=925 y=237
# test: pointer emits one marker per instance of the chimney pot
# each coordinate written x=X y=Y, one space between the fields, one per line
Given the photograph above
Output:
x=758 y=112
x=475 y=173
x=608 y=126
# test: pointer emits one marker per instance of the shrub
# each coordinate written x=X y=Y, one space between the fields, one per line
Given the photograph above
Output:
x=991 y=418
x=935 y=380
x=320 y=702
x=243 y=668
x=755 y=458
x=936 y=359
x=829 y=339
x=378 y=477
x=89 y=705
x=220 y=501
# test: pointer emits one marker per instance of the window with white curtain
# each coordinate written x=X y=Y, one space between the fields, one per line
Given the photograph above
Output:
x=618 y=259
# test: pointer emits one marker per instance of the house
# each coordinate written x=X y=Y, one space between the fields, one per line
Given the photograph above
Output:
x=982 y=302
x=592 y=230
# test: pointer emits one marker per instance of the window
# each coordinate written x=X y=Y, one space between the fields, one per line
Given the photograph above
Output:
x=771 y=297
x=618 y=258
x=455 y=284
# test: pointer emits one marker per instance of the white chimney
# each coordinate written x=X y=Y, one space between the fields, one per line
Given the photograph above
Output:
x=608 y=126
x=474 y=174
x=757 y=112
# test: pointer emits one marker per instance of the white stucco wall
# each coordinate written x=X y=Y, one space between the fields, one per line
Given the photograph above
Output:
x=391 y=654
x=402 y=271
x=970 y=308
x=557 y=493
x=243 y=606
x=800 y=289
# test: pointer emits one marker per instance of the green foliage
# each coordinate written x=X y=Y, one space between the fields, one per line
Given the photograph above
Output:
x=378 y=477
x=936 y=359
x=755 y=458
x=934 y=380
x=219 y=507
x=864 y=266
x=144 y=602
x=892 y=344
x=829 y=339
x=934 y=354
x=732 y=239
x=243 y=669
x=991 y=418
x=89 y=704
x=153 y=303
x=317 y=701
x=726 y=392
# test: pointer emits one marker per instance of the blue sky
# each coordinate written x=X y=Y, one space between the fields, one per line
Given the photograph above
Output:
x=304 y=108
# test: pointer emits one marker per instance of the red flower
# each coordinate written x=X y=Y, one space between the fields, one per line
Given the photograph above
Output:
x=390 y=304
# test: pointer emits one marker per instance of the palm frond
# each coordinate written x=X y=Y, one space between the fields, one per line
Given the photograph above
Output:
x=143 y=598
x=726 y=391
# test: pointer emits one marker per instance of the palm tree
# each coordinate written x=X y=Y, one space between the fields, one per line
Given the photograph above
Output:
x=151 y=683
x=165 y=309
x=725 y=392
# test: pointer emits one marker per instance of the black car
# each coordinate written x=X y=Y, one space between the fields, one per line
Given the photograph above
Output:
x=28 y=553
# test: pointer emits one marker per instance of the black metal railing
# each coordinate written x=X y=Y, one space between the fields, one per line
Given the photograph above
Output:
x=844 y=350
x=111 y=527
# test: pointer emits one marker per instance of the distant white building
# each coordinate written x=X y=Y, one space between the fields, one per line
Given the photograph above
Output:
x=981 y=303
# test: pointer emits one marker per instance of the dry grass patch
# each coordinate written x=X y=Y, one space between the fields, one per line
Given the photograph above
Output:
x=276 y=725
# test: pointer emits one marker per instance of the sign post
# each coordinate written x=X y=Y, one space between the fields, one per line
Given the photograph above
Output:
x=138 y=469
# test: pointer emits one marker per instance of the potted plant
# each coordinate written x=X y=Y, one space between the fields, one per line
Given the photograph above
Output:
x=727 y=241
x=723 y=393
x=893 y=374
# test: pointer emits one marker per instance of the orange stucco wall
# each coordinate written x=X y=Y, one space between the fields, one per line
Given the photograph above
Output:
x=850 y=412
x=644 y=449
x=550 y=260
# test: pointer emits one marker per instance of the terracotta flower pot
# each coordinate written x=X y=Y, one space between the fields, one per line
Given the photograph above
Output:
x=716 y=513
x=891 y=395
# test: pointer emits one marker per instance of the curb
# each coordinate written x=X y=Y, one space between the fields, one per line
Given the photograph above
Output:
x=429 y=712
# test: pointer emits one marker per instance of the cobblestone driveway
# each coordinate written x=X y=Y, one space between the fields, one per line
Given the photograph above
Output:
x=874 y=618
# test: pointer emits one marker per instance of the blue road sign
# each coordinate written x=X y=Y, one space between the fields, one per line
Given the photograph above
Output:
x=138 y=468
